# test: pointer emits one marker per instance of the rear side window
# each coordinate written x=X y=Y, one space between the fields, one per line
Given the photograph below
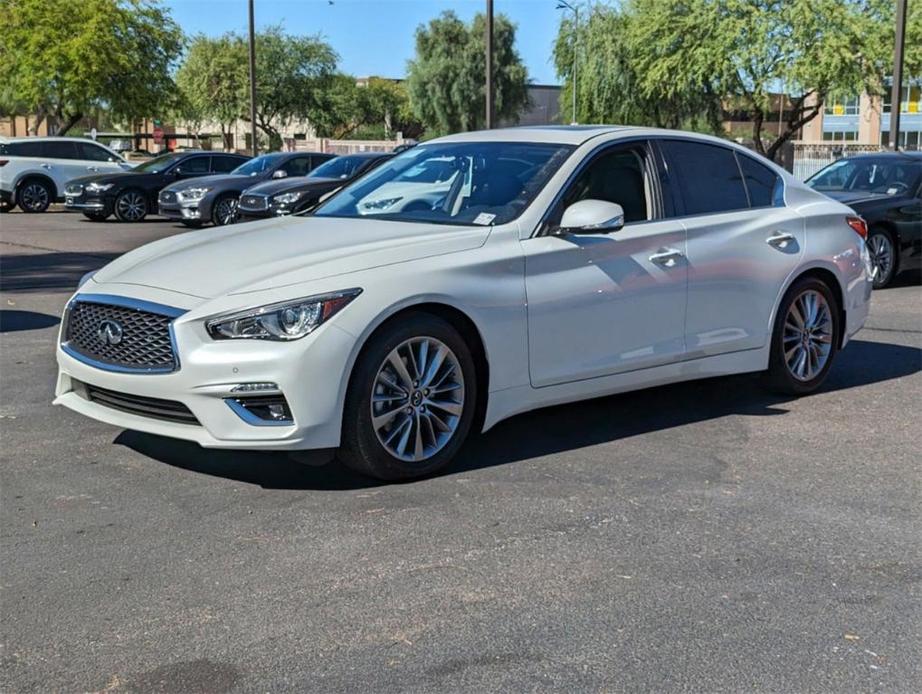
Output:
x=93 y=152
x=61 y=150
x=23 y=149
x=764 y=185
x=224 y=164
x=707 y=176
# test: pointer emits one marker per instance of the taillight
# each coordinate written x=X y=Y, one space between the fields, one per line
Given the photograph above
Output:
x=859 y=225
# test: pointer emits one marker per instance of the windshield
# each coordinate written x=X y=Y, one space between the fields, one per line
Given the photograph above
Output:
x=257 y=165
x=883 y=176
x=157 y=164
x=455 y=183
x=340 y=167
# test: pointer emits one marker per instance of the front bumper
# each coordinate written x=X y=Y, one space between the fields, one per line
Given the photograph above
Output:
x=309 y=373
x=184 y=211
x=87 y=202
x=6 y=198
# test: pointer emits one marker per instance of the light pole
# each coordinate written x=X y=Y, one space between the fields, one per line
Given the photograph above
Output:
x=489 y=49
x=896 y=92
x=252 y=80
x=564 y=5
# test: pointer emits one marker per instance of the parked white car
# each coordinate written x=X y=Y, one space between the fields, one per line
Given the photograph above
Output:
x=618 y=258
x=35 y=170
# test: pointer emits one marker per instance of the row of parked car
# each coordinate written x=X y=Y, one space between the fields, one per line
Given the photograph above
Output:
x=199 y=187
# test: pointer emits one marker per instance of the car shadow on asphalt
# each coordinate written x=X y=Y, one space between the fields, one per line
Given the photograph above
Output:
x=14 y=321
x=44 y=272
x=554 y=429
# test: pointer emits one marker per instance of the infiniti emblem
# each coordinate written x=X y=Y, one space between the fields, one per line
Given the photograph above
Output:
x=110 y=332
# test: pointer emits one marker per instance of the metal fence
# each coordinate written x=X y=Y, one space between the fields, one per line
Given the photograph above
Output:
x=810 y=158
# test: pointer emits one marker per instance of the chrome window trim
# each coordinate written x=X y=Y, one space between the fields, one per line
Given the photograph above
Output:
x=124 y=302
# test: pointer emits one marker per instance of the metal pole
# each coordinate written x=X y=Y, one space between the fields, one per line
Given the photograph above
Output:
x=896 y=91
x=575 y=60
x=489 y=48
x=252 y=80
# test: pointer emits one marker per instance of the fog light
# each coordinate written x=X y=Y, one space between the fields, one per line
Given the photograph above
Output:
x=262 y=410
x=190 y=212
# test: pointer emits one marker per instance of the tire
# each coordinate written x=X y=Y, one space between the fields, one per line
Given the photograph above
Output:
x=192 y=224
x=131 y=206
x=96 y=216
x=420 y=422
x=884 y=256
x=224 y=210
x=34 y=195
x=800 y=360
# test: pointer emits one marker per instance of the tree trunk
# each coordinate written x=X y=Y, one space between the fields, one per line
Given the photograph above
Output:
x=69 y=122
x=798 y=118
x=758 y=119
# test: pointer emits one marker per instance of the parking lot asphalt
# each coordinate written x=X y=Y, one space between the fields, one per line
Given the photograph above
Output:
x=699 y=537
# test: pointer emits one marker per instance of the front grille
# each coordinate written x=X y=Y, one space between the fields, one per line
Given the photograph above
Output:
x=155 y=408
x=167 y=196
x=120 y=337
x=254 y=202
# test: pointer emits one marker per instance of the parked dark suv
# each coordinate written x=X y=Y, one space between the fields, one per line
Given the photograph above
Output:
x=214 y=198
x=131 y=195
x=885 y=189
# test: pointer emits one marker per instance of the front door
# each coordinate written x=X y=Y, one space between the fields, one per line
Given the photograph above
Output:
x=607 y=303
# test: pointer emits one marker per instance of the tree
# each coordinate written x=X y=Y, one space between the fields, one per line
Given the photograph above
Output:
x=62 y=57
x=209 y=82
x=446 y=78
x=292 y=73
x=607 y=81
x=744 y=50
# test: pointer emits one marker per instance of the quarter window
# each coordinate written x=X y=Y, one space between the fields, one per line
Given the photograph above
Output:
x=707 y=176
x=764 y=185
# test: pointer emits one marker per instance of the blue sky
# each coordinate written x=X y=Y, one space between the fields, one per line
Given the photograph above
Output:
x=375 y=37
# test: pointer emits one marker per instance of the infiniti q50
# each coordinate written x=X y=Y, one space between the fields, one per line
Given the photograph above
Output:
x=541 y=266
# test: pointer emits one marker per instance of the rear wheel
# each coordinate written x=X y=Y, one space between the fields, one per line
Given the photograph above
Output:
x=804 y=339
x=131 y=206
x=883 y=256
x=34 y=196
x=411 y=400
x=225 y=210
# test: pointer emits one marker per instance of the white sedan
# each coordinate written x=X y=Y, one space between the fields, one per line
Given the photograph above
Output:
x=566 y=263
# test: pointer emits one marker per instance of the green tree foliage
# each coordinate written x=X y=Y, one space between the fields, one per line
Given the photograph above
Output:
x=607 y=82
x=210 y=80
x=63 y=57
x=744 y=50
x=446 y=77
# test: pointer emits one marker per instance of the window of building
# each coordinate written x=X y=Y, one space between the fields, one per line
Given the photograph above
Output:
x=840 y=136
x=910 y=99
x=840 y=105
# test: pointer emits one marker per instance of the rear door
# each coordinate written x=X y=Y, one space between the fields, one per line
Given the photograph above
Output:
x=62 y=161
x=743 y=244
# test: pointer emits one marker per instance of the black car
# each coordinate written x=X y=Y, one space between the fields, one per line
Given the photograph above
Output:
x=274 y=198
x=214 y=198
x=130 y=195
x=885 y=189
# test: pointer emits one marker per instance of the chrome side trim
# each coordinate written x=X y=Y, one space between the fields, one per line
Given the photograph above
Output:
x=125 y=302
x=252 y=419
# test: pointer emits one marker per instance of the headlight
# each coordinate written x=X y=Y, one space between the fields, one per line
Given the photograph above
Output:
x=98 y=187
x=381 y=204
x=289 y=320
x=286 y=198
x=192 y=194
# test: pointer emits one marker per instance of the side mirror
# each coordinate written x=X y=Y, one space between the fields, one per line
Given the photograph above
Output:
x=592 y=217
x=279 y=174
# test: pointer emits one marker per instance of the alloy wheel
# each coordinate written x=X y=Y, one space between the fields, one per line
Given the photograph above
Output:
x=881 y=249
x=808 y=334
x=34 y=197
x=226 y=211
x=417 y=399
x=131 y=206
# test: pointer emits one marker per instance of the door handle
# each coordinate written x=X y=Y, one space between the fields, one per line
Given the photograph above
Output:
x=780 y=239
x=46 y=166
x=667 y=257
x=92 y=168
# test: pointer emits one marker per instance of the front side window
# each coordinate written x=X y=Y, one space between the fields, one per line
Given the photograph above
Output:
x=254 y=167
x=340 y=167
x=471 y=183
x=157 y=164
x=618 y=175
x=297 y=166
x=707 y=176
x=195 y=165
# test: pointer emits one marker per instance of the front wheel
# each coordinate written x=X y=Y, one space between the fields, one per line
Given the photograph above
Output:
x=225 y=210
x=411 y=400
x=883 y=257
x=130 y=206
x=805 y=338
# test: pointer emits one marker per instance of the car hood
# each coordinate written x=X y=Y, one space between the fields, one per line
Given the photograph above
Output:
x=286 y=185
x=269 y=254
x=138 y=177
x=216 y=181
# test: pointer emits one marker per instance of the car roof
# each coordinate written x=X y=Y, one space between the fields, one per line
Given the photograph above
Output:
x=36 y=138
